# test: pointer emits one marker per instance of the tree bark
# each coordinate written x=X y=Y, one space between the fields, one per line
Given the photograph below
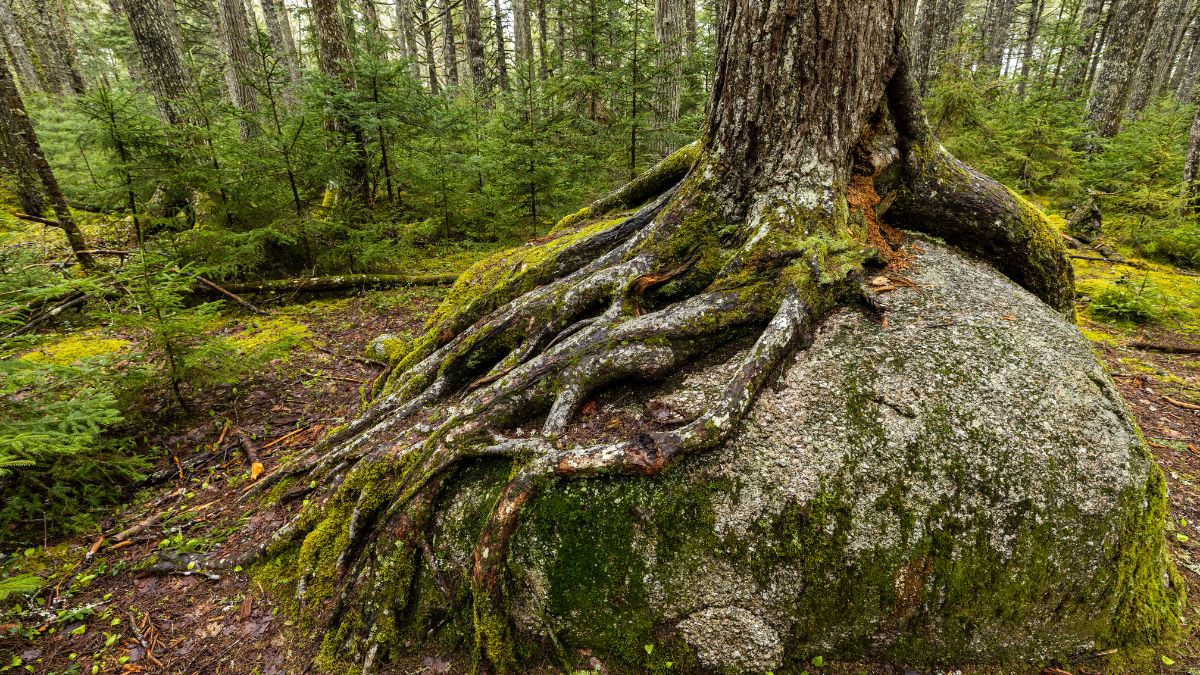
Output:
x=1114 y=83
x=334 y=60
x=406 y=37
x=997 y=29
x=522 y=34
x=20 y=127
x=374 y=30
x=427 y=38
x=1032 y=23
x=18 y=51
x=55 y=50
x=449 y=47
x=1189 y=193
x=1081 y=57
x=501 y=51
x=162 y=62
x=279 y=27
x=475 y=53
x=543 y=27
x=1158 y=53
x=239 y=63
x=670 y=32
x=760 y=229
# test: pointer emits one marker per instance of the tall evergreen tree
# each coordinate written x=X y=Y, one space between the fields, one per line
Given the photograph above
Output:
x=1122 y=55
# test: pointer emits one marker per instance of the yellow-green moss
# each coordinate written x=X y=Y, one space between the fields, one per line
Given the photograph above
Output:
x=76 y=348
x=276 y=333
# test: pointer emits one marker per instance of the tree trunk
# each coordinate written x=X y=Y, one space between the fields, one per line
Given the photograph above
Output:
x=427 y=38
x=18 y=51
x=1184 y=79
x=334 y=60
x=374 y=29
x=997 y=32
x=759 y=230
x=24 y=139
x=1189 y=193
x=239 y=63
x=475 y=53
x=522 y=34
x=1158 y=54
x=670 y=32
x=54 y=51
x=543 y=26
x=1032 y=23
x=279 y=27
x=406 y=37
x=162 y=62
x=1110 y=95
x=449 y=48
x=501 y=52
x=1089 y=33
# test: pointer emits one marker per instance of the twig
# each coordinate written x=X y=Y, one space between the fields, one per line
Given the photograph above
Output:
x=138 y=527
x=38 y=219
x=247 y=446
x=232 y=296
x=1181 y=404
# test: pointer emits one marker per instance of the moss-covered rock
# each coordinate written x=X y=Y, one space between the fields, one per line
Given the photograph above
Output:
x=961 y=483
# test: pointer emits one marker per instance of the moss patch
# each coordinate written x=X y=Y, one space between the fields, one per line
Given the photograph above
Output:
x=78 y=347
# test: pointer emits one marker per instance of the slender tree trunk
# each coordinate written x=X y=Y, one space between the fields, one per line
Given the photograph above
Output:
x=17 y=120
x=1110 y=96
x=279 y=27
x=162 y=62
x=1189 y=193
x=1158 y=53
x=239 y=63
x=335 y=62
x=51 y=49
x=406 y=36
x=1184 y=80
x=427 y=38
x=997 y=32
x=1032 y=24
x=374 y=30
x=501 y=52
x=449 y=47
x=522 y=34
x=475 y=54
x=18 y=51
x=543 y=27
x=670 y=32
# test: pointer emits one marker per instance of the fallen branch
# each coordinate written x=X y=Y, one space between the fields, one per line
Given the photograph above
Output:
x=1169 y=349
x=138 y=527
x=38 y=219
x=232 y=296
x=341 y=282
x=1181 y=404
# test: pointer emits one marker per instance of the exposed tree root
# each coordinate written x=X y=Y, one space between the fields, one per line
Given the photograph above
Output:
x=542 y=329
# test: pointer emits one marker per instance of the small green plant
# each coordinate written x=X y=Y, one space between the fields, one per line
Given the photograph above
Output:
x=1128 y=301
x=21 y=584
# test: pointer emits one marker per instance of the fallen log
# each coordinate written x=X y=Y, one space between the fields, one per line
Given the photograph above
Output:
x=1168 y=349
x=340 y=282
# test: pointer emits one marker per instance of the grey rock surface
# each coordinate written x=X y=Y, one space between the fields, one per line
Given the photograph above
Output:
x=956 y=484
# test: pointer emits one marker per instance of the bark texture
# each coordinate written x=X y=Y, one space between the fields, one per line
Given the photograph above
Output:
x=449 y=45
x=162 y=61
x=334 y=60
x=1132 y=20
x=1158 y=54
x=279 y=27
x=475 y=53
x=239 y=62
x=670 y=32
x=1090 y=25
x=19 y=52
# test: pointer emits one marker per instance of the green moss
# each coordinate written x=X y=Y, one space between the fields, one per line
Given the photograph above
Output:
x=278 y=333
x=78 y=347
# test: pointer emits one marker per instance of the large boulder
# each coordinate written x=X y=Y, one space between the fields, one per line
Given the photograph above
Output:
x=958 y=481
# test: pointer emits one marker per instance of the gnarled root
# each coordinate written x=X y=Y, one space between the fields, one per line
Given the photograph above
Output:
x=542 y=330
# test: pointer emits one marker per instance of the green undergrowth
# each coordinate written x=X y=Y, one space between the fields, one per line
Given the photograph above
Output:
x=1124 y=296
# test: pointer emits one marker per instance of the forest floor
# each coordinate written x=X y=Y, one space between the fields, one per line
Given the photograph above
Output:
x=125 y=612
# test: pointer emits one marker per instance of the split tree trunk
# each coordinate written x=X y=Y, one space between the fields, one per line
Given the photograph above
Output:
x=760 y=229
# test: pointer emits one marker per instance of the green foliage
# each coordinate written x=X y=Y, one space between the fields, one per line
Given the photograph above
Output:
x=1125 y=300
x=20 y=584
x=56 y=461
